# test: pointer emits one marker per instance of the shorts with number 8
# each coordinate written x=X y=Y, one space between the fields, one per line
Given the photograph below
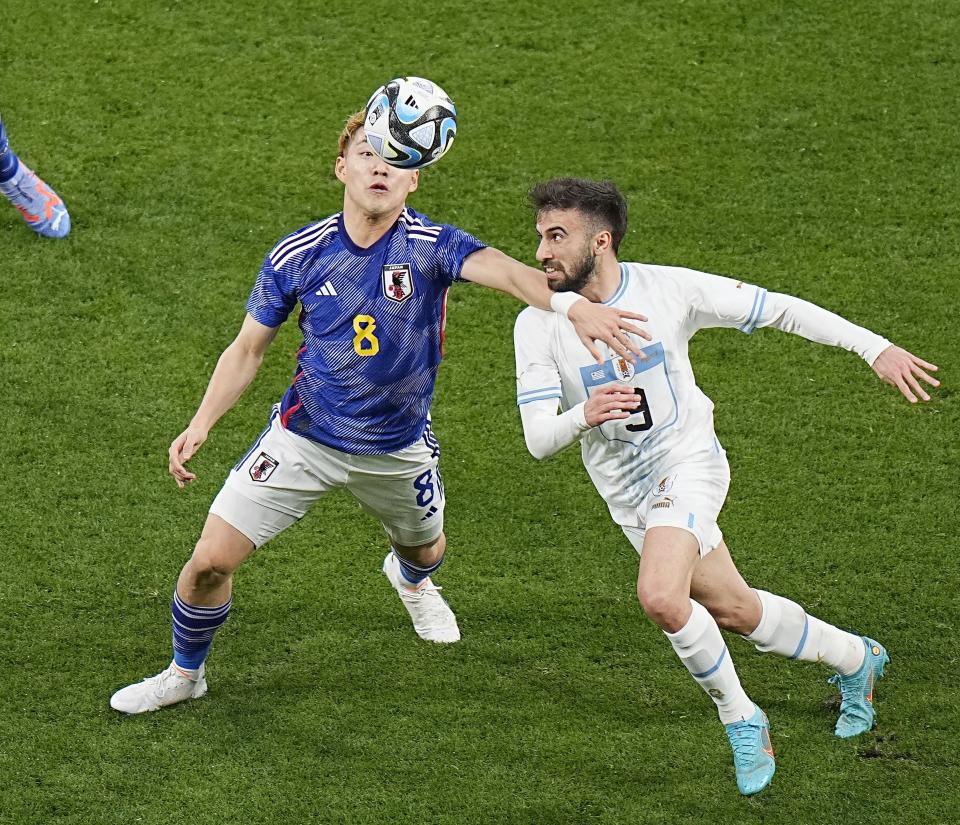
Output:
x=283 y=474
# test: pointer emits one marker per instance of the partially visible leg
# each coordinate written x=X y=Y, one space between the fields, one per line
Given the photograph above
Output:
x=404 y=491
x=409 y=568
x=420 y=561
x=775 y=624
x=201 y=603
x=719 y=587
x=203 y=596
x=669 y=558
x=41 y=207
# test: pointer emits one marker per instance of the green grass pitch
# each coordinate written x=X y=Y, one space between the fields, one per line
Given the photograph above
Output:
x=809 y=147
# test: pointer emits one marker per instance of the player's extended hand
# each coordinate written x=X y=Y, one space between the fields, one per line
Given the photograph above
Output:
x=610 y=403
x=901 y=369
x=596 y=322
x=182 y=449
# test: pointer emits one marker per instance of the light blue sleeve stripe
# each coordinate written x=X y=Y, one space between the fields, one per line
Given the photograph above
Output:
x=538 y=391
x=759 y=312
x=745 y=326
x=522 y=401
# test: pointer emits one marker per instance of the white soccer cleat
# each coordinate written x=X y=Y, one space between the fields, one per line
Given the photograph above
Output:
x=166 y=688
x=432 y=617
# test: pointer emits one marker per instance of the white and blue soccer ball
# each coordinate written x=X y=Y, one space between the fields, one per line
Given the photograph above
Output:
x=410 y=122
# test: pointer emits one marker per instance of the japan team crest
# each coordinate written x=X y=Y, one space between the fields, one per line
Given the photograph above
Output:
x=397 y=282
x=263 y=467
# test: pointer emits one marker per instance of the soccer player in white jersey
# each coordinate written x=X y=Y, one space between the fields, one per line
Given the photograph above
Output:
x=648 y=444
x=371 y=282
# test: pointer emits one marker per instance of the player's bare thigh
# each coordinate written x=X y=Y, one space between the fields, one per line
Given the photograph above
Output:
x=667 y=563
x=206 y=578
x=719 y=587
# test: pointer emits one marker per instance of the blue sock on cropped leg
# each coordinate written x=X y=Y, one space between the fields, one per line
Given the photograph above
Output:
x=415 y=573
x=9 y=162
x=193 y=630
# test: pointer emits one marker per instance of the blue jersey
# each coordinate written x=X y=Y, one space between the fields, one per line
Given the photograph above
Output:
x=372 y=322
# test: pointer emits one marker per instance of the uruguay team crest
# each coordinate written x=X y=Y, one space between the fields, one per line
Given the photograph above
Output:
x=623 y=368
x=665 y=485
x=263 y=467
x=397 y=282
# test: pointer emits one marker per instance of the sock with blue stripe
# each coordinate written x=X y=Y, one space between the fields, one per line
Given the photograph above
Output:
x=787 y=629
x=415 y=573
x=193 y=630
x=9 y=162
x=704 y=653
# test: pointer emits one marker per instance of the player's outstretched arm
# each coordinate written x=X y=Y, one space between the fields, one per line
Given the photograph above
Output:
x=234 y=371
x=901 y=369
x=592 y=322
x=892 y=364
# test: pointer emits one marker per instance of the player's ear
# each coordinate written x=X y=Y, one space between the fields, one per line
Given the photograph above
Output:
x=415 y=181
x=338 y=169
x=602 y=242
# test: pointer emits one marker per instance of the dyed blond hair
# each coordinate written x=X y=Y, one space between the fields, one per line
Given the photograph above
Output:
x=354 y=122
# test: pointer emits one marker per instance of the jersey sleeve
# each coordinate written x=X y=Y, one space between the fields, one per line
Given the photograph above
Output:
x=717 y=301
x=538 y=387
x=454 y=246
x=274 y=294
x=538 y=376
x=789 y=314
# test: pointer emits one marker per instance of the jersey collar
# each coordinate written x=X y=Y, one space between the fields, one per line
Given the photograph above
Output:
x=365 y=252
x=624 y=281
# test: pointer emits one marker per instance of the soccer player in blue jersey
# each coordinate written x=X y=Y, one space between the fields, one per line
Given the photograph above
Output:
x=647 y=441
x=371 y=282
x=41 y=207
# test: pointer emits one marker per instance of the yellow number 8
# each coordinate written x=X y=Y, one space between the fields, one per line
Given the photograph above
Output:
x=365 y=342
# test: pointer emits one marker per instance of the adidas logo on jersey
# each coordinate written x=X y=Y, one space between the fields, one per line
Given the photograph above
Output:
x=327 y=289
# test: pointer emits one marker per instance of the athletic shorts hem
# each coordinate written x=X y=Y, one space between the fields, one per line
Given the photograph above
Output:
x=239 y=515
x=636 y=535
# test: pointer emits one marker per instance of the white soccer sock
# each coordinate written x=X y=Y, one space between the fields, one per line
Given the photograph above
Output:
x=704 y=653
x=785 y=628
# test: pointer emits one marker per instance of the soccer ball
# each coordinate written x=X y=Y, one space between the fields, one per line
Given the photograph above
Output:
x=410 y=122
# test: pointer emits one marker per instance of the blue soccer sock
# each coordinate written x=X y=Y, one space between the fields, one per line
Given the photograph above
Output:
x=193 y=629
x=9 y=162
x=416 y=573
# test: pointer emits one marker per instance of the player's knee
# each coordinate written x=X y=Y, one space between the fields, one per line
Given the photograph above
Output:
x=667 y=609
x=209 y=567
x=424 y=554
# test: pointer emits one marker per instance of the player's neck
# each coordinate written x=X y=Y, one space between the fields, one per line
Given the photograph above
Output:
x=605 y=281
x=365 y=228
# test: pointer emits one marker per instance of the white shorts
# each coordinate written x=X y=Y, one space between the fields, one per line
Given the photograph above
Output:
x=689 y=496
x=283 y=474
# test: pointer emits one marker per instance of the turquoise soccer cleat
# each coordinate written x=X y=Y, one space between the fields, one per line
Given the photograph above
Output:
x=752 y=752
x=856 y=692
x=41 y=207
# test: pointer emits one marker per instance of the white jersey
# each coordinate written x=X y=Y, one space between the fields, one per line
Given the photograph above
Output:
x=674 y=422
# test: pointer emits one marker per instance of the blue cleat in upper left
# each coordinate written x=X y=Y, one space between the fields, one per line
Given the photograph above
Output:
x=41 y=207
x=752 y=752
